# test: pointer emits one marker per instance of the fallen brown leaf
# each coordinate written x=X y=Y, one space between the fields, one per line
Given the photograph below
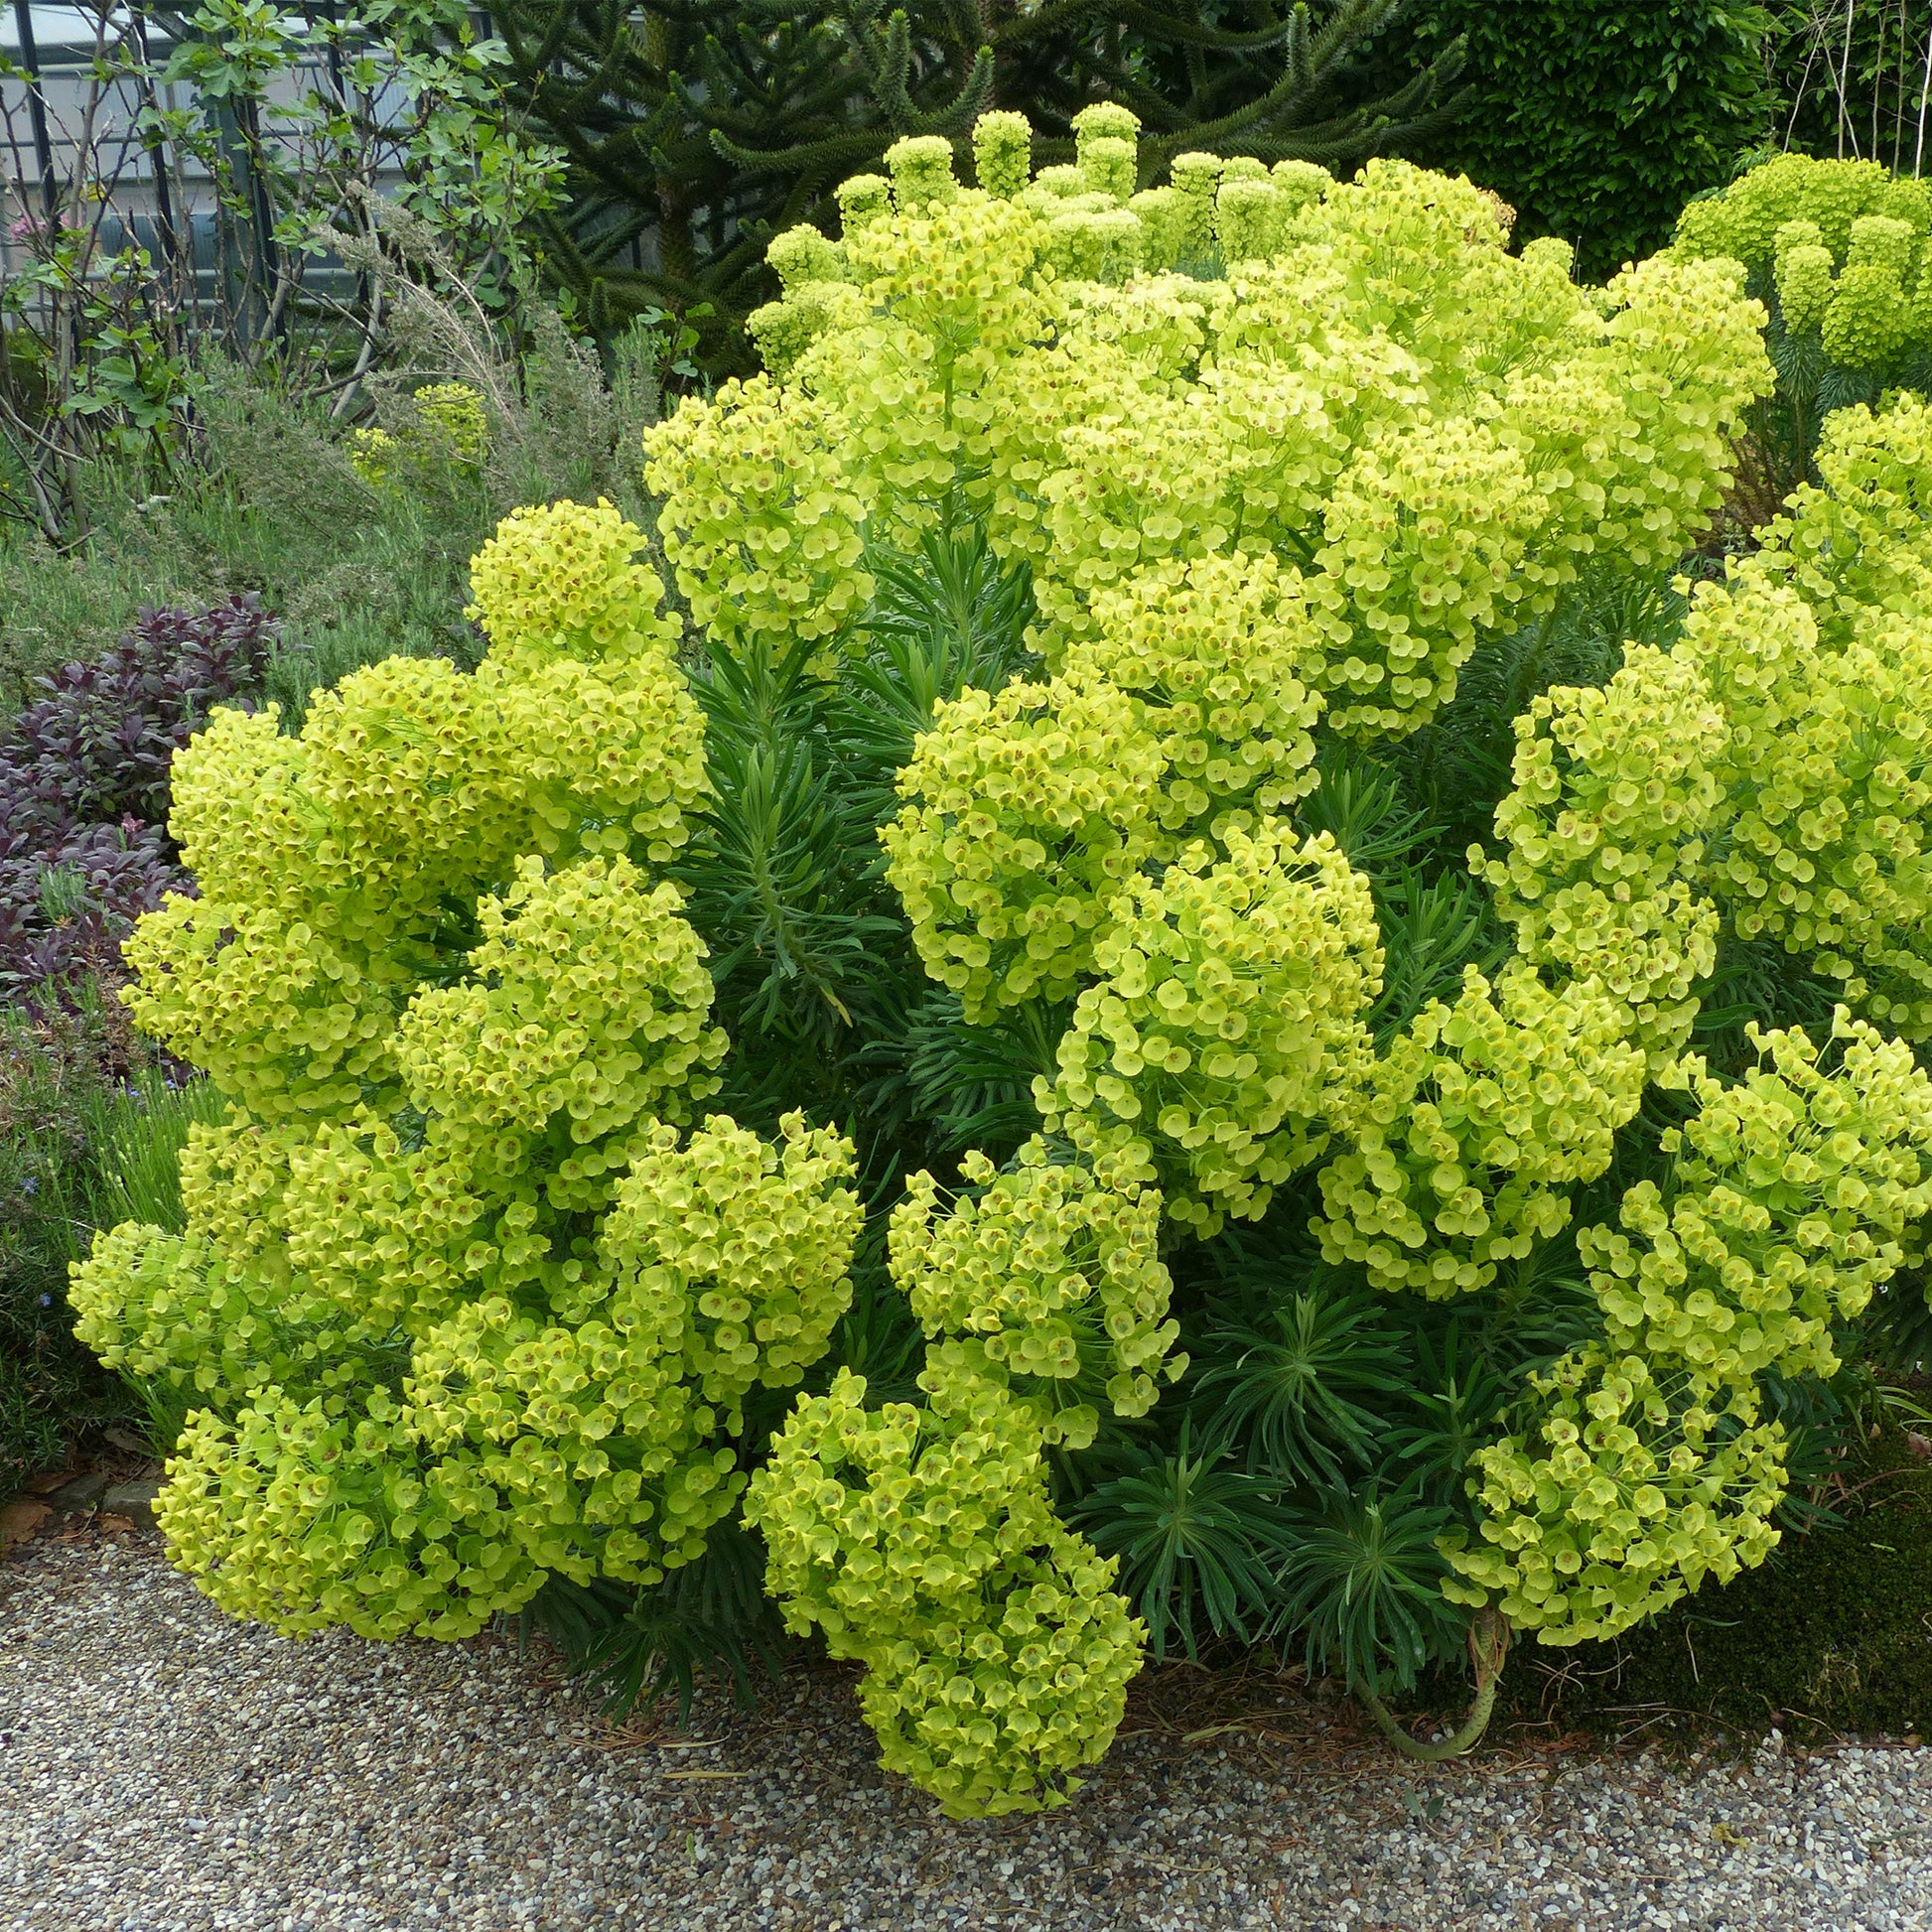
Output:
x=19 y=1521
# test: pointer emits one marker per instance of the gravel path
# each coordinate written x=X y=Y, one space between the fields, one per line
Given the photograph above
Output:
x=163 y=1768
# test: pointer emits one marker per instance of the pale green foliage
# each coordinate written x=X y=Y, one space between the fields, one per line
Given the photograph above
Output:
x=1629 y=463
x=1829 y=768
x=532 y=1410
x=1001 y=153
x=565 y=578
x=289 y=1514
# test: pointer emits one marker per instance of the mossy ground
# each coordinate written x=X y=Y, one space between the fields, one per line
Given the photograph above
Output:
x=1832 y=1636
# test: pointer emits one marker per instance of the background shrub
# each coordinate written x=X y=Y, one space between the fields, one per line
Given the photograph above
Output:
x=84 y=786
x=1849 y=79
x=1596 y=121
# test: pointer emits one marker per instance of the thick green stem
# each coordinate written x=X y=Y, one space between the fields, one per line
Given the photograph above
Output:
x=1488 y=1646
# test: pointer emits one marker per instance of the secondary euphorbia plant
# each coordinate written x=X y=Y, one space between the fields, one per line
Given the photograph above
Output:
x=1841 y=255
x=1017 y=971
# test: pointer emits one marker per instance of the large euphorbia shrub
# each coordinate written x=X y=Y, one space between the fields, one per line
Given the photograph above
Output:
x=1039 y=868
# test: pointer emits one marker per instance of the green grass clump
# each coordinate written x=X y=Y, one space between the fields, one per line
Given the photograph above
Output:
x=354 y=574
x=91 y=1121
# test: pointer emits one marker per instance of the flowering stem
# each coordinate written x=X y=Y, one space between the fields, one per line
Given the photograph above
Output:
x=1488 y=1646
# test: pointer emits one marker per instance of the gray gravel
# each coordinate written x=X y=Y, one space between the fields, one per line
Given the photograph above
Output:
x=162 y=1767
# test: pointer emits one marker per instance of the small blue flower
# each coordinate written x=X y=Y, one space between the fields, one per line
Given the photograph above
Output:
x=31 y=1185
x=47 y=1300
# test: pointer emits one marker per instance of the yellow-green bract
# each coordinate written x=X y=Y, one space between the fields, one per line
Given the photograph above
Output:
x=922 y=1541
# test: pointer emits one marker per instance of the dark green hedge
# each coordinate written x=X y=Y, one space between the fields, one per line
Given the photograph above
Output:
x=1599 y=119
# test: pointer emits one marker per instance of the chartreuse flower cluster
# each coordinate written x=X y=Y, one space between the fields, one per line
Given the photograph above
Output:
x=1853 y=544
x=459 y=1301
x=1031 y=810
x=448 y=426
x=1635 y=1489
x=1213 y=652
x=1225 y=1015
x=921 y=1538
x=1465 y=1137
x=1613 y=791
x=1050 y=1279
x=1306 y=489
x=1841 y=243
x=1027 y=813
x=1792 y=1196
x=1651 y=1465
x=1424 y=431
x=922 y=1542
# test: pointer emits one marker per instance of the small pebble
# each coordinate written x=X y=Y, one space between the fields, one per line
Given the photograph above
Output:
x=164 y=1769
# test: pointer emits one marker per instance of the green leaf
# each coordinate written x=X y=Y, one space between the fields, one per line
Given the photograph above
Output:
x=1195 y=1541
